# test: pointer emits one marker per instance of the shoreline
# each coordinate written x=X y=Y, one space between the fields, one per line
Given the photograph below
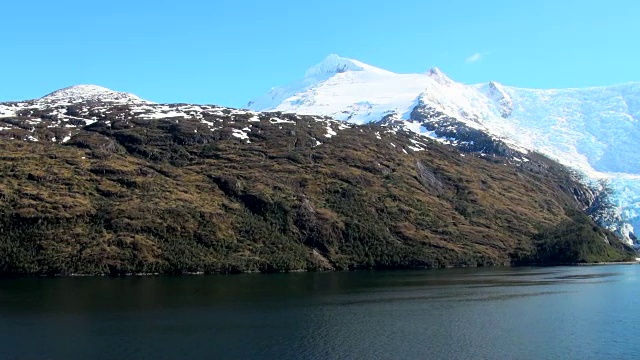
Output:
x=610 y=263
x=201 y=273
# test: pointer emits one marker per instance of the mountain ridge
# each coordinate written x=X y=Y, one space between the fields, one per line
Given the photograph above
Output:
x=101 y=187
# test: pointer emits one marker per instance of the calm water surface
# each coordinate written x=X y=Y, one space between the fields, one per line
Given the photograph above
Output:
x=522 y=313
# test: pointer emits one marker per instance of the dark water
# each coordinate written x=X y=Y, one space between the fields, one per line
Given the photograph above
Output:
x=525 y=313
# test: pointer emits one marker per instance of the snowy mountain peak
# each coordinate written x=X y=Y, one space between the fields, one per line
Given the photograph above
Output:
x=80 y=93
x=436 y=74
x=502 y=100
x=334 y=64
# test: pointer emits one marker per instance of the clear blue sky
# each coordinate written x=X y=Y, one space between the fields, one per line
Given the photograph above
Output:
x=229 y=51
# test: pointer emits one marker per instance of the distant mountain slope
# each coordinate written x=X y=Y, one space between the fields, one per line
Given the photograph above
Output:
x=594 y=130
x=104 y=186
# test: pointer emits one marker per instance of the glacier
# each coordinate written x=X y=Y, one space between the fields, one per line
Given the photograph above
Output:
x=592 y=130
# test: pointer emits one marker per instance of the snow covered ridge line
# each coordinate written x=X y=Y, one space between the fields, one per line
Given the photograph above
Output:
x=80 y=93
x=25 y=121
x=70 y=109
x=593 y=130
x=60 y=119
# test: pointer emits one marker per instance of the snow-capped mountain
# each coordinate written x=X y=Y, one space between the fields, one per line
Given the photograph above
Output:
x=71 y=95
x=349 y=90
x=105 y=187
x=593 y=130
x=80 y=93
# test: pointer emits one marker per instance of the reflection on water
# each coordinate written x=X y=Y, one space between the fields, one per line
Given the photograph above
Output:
x=492 y=313
x=586 y=276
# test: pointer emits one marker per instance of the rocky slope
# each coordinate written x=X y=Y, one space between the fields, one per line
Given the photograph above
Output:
x=108 y=183
x=592 y=130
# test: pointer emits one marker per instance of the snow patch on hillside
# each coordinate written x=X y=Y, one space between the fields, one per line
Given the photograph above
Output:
x=7 y=111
